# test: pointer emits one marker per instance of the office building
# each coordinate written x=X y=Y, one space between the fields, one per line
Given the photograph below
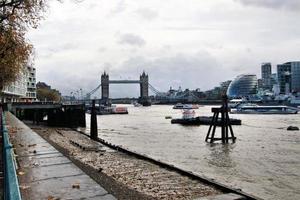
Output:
x=288 y=75
x=266 y=73
x=295 y=76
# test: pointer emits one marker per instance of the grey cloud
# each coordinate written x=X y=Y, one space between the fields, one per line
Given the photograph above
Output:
x=46 y=51
x=275 y=4
x=67 y=80
x=107 y=66
x=147 y=13
x=240 y=69
x=194 y=28
x=199 y=70
x=102 y=49
x=50 y=51
x=248 y=50
x=92 y=5
x=132 y=39
x=270 y=36
x=120 y=7
x=68 y=46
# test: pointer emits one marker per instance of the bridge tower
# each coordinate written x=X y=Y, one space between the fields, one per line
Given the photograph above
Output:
x=144 y=89
x=104 y=87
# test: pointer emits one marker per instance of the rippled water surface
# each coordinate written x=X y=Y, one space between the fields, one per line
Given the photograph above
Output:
x=264 y=161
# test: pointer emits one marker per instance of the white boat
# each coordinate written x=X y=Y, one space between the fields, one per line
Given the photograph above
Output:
x=119 y=110
x=256 y=109
x=188 y=114
x=185 y=106
x=295 y=100
x=136 y=104
x=178 y=106
x=233 y=103
x=106 y=110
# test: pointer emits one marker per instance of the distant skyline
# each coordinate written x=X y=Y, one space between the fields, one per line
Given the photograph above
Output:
x=192 y=44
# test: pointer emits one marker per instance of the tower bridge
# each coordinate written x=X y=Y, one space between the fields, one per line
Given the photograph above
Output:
x=143 y=82
x=145 y=86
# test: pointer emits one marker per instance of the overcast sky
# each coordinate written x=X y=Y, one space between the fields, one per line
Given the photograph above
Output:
x=187 y=43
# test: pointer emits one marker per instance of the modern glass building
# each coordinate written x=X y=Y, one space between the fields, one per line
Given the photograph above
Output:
x=266 y=72
x=289 y=77
x=242 y=86
x=295 y=78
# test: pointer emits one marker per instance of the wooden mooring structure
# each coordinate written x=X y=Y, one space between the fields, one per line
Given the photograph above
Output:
x=224 y=124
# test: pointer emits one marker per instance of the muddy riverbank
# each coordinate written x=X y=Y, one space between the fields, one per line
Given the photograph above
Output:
x=264 y=161
x=123 y=175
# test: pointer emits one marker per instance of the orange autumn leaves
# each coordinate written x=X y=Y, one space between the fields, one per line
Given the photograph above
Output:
x=15 y=51
x=14 y=55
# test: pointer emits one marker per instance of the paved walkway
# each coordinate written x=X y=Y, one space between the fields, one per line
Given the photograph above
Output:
x=45 y=173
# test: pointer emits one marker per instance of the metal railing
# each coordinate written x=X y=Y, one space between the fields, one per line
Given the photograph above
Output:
x=11 y=184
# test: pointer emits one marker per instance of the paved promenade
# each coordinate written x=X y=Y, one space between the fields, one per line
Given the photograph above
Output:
x=44 y=173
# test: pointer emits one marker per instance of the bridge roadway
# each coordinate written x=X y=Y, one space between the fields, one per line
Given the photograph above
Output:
x=44 y=173
x=123 y=81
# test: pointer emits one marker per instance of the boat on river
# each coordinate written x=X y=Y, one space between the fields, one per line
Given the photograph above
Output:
x=188 y=118
x=107 y=110
x=257 y=109
x=203 y=120
x=233 y=103
x=185 y=106
x=136 y=104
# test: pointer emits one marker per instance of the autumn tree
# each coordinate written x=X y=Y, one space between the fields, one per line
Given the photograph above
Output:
x=16 y=16
x=45 y=94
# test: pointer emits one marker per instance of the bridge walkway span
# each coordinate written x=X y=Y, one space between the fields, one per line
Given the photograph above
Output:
x=124 y=81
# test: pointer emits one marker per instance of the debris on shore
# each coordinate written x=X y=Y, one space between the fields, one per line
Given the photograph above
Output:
x=292 y=128
x=137 y=174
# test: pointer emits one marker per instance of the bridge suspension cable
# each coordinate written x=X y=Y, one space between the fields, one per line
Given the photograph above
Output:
x=89 y=94
x=155 y=91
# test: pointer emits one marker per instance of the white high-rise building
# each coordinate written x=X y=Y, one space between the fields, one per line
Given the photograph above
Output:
x=16 y=90
x=24 y=88
x=31 y=84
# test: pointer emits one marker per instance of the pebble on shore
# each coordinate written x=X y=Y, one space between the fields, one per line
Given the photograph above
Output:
x=137 y=174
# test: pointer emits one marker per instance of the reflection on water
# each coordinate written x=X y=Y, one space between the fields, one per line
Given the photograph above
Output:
x=264 y=161
x=220 y=155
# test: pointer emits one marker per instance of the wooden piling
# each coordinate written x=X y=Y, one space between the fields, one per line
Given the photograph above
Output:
x=93 y=128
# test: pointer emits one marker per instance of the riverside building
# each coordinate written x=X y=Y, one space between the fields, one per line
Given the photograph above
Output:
x=243 y=86
x=289 y=77
x=266 y=73
x=31 y=84
x=23 y=89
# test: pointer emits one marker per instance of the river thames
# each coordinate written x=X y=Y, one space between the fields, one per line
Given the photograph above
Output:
x=264 y=161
